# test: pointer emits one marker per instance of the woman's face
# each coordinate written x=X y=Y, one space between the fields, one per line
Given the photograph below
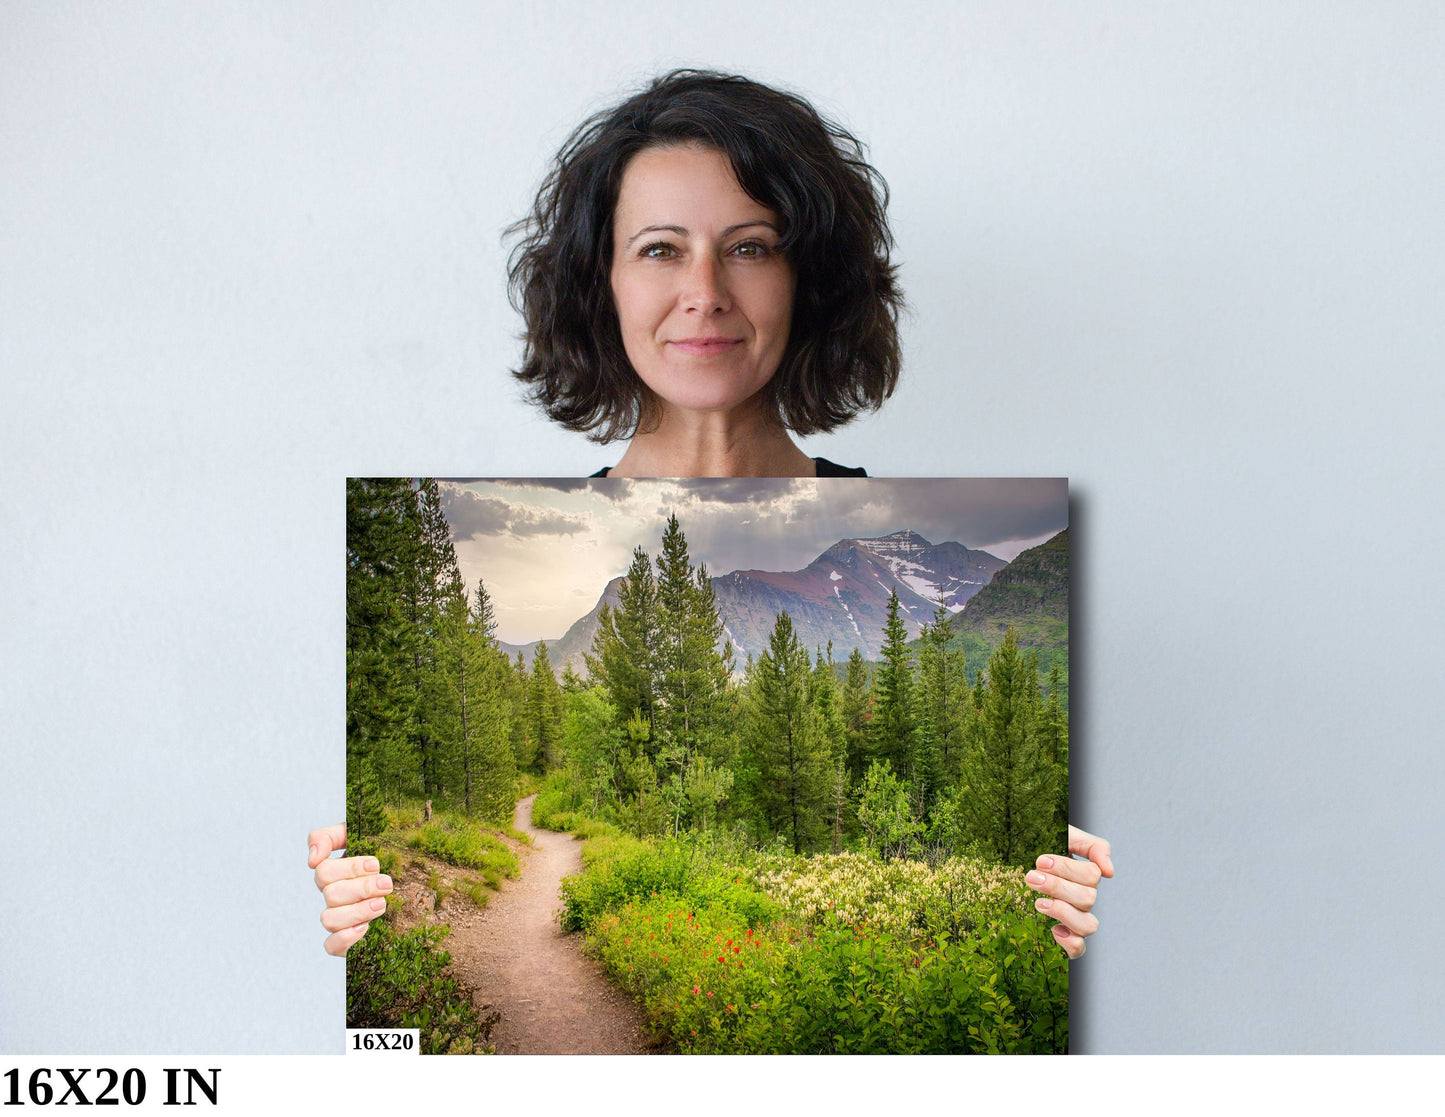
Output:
x=703 y=296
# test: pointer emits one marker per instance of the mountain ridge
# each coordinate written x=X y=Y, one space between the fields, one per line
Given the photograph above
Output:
x=839 y=597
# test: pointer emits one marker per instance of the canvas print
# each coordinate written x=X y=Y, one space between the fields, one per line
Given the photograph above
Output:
x=709 y=765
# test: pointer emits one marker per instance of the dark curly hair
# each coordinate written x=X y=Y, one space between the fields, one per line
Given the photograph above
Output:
x=842 y=355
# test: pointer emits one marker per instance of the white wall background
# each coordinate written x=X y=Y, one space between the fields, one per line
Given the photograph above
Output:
x=1189 y=256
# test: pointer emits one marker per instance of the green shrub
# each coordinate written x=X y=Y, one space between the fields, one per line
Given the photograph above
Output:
x=902 y=896
x=848 y=955
x=466 y=846
x=397 y=980
x=716 y=985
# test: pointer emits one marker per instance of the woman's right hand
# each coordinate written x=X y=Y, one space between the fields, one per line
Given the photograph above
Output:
x=355 y=888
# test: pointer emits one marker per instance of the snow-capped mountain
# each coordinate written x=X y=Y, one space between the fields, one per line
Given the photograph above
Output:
x=841 y=596
x=948 y=572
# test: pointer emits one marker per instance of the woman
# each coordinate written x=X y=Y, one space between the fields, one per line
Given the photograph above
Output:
x=705 y=271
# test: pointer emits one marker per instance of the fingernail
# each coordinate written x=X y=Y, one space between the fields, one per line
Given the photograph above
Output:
x=384 y=883
x=313 y=854
x=1035 y=878
x=1046 y=862
x=372 y=865
x=1043 y=903
x=378 y=904
x=1060 y=930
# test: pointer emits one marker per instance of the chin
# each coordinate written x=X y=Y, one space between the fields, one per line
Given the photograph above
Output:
x=707 y=398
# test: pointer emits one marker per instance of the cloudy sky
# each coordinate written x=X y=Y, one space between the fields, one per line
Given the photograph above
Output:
x=547 y=548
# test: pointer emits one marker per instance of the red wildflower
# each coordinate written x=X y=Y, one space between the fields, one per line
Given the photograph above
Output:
x=709 y=992
x=696 y=990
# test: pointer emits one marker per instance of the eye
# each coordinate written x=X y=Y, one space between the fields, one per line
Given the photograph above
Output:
x=657 y=250
x=752 y=250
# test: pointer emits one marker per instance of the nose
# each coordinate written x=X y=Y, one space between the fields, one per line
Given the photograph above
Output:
x=705 y=286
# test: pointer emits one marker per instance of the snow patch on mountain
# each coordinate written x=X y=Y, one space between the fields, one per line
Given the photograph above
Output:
x=898 y=552
x=847 y=612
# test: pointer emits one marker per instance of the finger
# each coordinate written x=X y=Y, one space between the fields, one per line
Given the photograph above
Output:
x=349 y=915
x=323 y=842
x=1070 y=868
x=339 y=868
x=1081 y=896
x=1073 y=944
x=339 y=943
x=1081 y=923
x=1095 y=848
x=353 y=889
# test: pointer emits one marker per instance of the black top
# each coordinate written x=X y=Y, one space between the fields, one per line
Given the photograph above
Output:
x=825 y=469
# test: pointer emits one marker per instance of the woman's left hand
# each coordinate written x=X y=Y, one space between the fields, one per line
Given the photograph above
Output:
x=1069 y=888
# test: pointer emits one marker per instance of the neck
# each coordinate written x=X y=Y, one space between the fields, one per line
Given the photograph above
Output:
x=742 y=443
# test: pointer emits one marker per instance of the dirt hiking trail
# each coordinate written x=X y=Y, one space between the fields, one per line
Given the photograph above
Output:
x=512 y=954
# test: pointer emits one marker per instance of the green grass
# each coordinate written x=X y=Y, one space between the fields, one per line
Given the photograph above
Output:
x=478 y=891
x=468 y=846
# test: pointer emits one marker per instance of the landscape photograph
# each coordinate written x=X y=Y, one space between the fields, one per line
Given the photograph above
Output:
x=709 y=766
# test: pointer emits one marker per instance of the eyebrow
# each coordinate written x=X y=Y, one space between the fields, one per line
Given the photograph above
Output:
x=680 y=231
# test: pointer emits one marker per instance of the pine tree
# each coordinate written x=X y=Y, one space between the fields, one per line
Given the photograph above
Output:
x=624 y=650
x=644 y=809
x=831 y=732
x=689 y=673
x=708 y=785
x=892 y=728
x=942 y=698
x=854 y=702
x=481 y=767
x=793 y=765
x=1011 y=795
x=380 y=552
x=450 y=687
x=365 y=814
x=484 y=616
x=524 y=747
x=424 y=588
x=544 y=712
x=1054 y=740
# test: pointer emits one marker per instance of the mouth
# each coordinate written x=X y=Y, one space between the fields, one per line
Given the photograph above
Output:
x=705 y=346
